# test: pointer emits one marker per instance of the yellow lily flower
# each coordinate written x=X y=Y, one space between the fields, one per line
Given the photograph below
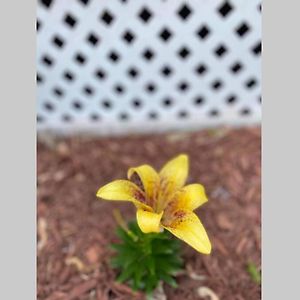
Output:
x=163 y=201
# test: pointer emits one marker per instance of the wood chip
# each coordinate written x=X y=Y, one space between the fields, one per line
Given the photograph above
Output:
x=204 y=291
x=159 y=293
x=124 y=289
x=59 y=176
x=63 y=149
x=81 y=289
x=241 y=245
x=75 y=261
x=92 y=254
x=220 y=246
x=224 y=222
x=42 y=231
x=193 y=275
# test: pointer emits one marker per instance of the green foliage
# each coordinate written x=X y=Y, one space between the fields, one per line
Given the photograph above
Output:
x=145 y=259
x=253 y=272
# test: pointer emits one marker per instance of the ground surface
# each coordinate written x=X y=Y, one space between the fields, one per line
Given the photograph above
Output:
x=75 y=229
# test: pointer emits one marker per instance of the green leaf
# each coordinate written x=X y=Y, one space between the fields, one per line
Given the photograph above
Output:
x=253 y=272
x=137 y=278
x=168 y=279
x=150 y=264
x=151 y=283
x=125 y=274
x=124 y=236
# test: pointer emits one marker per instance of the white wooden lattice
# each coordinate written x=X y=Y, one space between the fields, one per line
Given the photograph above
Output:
x=114 y=66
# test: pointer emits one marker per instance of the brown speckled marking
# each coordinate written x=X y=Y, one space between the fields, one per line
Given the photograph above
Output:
x=179 y=214
x=140 y=196
x=135 y=178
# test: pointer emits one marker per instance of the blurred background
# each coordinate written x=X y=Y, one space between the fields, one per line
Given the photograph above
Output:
x=110 y=71
x=121 y=66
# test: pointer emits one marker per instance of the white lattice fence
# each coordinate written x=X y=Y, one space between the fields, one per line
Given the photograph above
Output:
x=134 y=65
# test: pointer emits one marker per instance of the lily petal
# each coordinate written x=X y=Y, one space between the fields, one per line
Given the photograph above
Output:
x=123 y=190
x=149 y=178
x=148 y=221
x=174 y=172
x=187 y=227
x=192 y=196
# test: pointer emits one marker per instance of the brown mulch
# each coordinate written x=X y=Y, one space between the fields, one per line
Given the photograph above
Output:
x=75 y=228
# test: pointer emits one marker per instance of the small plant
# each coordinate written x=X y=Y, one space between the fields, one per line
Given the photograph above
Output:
x=147 y=254
x=146 y=259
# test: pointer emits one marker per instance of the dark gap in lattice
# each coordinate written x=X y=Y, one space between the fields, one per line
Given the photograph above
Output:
x=39 y=78
x=217 y=84
x=128 y=36
x=107 y=17
x=84 y=2
x=201 y=69
x=39 y=119
x=80 y=58
x=165 y=34
x=107 y=104
x=124 y=116
x=203 y=32
x=114 y=56
x=88 y=90
x=183 y=86
x=150 y=87
x=93 y=39
x=100 y=74
x=251 y=83
x=145 y=14
x=245 y=111
x=137 y=103
x=214 y=112
x=236 y=67
x=67 y=118
x=220 y=50
x=38 y=25
x=119 y=89
x=167 y=102
x=242 y=29
x=184 y=52
x=95 y=117
x=257 y=49
x=184 y=12
x=199 y=100
x=77 y=105
x=231 y=99
x=58 y=91
x=133 y=72
x=153 y=115
x=70 y=20
x=259 y=7
x=58 y=41
x=46 y=3
x=47 y=60
x=148 y=54
x=49 y=106
x=166 y=71
x=259 y=99
x=225 y=9
x=183 y=114
x=69 y=76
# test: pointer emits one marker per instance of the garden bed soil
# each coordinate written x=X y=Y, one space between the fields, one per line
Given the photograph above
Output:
x=75 y=228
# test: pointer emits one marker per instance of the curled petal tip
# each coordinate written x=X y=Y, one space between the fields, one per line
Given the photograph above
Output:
x=99 y=192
